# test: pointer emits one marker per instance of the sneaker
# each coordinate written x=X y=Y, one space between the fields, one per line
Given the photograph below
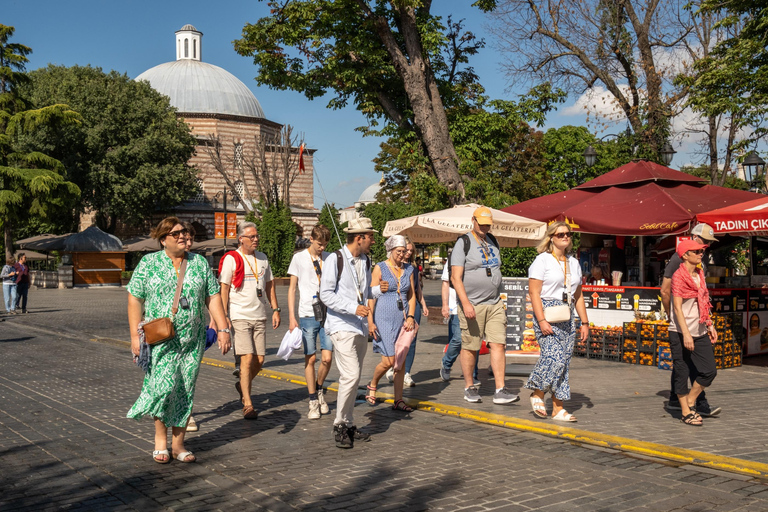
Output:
x=703 y=408
x=504 y=397
x=357 y=435
x=314 y=410
x=236 y=373
x=341 y=436
x=471 y=395
x=324 y=409
x=445 y=373
x=476 y=382
x=674 y=404
x=390 y=375
x=408 y=381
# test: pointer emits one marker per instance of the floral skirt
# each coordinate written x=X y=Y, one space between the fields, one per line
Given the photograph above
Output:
x=551 y=370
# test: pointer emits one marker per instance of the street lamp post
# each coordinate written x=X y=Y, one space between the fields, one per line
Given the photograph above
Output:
x=753 y=170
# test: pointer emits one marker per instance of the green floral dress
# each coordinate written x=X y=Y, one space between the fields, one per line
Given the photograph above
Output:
x=169 y=386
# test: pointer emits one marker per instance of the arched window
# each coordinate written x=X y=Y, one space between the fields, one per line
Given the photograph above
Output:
x=194 y=48
x=186 y=48
x=238 y=155
x=239 y=193
x=200 y=195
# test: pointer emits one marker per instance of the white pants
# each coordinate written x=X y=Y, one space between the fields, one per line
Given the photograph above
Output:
x=349 y=350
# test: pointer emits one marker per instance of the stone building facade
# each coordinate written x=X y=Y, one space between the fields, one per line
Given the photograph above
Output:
x=221 y=111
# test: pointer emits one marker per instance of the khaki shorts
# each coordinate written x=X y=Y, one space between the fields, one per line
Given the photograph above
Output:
x=490 y=320
x=250 y=337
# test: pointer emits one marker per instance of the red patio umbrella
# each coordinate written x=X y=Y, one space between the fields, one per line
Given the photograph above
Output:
x=639 y=198
x=749 y=218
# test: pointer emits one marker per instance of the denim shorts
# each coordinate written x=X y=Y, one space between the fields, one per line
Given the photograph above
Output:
x=311 y=329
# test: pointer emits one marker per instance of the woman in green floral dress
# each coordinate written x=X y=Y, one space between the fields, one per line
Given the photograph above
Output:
x=169 y=385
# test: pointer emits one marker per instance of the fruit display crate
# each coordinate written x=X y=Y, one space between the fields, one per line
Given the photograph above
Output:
x=664 y=357
x=604 y=343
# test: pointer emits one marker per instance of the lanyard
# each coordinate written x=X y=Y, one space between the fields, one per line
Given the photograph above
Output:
x=566 y=275
x=398 y=276
x=255 y=275
x=355 y=277
x=483 y=247
x=318 y=264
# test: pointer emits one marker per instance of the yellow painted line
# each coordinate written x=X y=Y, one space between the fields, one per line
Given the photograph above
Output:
x=546 y=428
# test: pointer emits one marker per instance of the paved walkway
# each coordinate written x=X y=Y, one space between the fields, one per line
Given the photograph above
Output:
x=65 y=442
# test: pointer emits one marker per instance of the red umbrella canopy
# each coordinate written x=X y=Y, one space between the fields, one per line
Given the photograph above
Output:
x=746 y=218
x=656 y=201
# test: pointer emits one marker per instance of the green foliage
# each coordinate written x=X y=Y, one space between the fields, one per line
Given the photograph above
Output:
x=515 y=261
x=702 y=171
x=329 y=217
x=130 y=153
x=380 y=214
x=277 y=237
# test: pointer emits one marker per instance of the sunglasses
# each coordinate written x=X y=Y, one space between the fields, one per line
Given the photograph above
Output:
x=252 y=238
x=179 y=232
x=697 y=251
x=563 y=235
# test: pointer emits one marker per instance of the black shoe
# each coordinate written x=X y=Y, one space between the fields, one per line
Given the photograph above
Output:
x=341 y=435
x=674 y=404
x=236 y=373
x=704 y=409
x=358 y=435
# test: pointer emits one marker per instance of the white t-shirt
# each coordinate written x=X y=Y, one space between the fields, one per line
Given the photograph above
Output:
x=245 y=303
x=451 y=292
x=309 y=282
x=550 y=271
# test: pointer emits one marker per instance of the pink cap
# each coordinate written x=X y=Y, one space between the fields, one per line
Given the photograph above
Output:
x=689 y=245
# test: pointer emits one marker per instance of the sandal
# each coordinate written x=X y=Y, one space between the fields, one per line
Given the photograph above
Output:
x=691 y=419
x=192 y=425
x=240 y=390
x=400 y=405
x=371 y=398
x=183 y=457
x=564 y=416
x=539 y=409
x=250 y=413
x=157 y=453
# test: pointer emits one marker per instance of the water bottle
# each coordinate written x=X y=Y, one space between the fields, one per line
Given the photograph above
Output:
x=317 y=308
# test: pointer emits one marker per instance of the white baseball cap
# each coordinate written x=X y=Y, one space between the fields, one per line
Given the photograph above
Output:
x=705 y=231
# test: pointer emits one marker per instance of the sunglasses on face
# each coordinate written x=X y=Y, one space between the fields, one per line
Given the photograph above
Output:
x=179 y=232
x=562 y=235
x=252 y=238
x=698 y=252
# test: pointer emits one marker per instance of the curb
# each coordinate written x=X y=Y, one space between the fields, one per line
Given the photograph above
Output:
x=575 y=435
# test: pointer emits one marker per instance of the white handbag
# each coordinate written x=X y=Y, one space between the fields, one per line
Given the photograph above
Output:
x=557 y=314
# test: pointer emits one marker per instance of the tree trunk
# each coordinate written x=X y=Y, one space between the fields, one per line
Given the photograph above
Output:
x=8 y=239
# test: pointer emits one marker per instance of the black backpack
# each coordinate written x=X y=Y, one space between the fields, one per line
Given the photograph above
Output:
x=340 y=265
x=465 y=239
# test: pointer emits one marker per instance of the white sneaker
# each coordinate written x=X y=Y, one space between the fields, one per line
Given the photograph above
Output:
x=390 y=375
x=314 y=410
x=408 y=381
x=324 y=409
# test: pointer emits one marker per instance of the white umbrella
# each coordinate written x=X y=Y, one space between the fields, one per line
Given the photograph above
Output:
x=447 y=225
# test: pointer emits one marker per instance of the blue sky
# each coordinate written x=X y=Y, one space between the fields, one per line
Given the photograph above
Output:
x=131 y=37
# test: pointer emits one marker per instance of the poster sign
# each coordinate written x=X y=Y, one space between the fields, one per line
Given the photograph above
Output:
x=521 y=340
x=622 y=298
x=231 y=225
x=219 y=225
x=729 y=301
x=756 y=321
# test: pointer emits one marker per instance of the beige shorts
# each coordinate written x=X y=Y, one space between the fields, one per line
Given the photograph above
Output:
x=250 y=337
x=490 y=320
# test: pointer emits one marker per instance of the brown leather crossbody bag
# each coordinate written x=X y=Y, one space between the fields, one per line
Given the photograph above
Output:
x=161 y=329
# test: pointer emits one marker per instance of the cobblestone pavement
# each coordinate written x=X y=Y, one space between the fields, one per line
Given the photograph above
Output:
x=65 y=442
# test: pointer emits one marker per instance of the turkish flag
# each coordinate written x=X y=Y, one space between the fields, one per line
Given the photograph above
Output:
x=301 y=157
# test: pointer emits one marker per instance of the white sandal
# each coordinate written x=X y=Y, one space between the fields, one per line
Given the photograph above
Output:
x=539 y=409
x=564 y=416
x=183 y=456
x=156 y=453
x=191 y=425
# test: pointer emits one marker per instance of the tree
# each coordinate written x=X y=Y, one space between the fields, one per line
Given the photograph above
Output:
x=380 y=214
x=271 y=161
x=379 y=56
x=277 y=236
x=130 y=153
x=329 y=217
x=31 y=183
x=621 y=44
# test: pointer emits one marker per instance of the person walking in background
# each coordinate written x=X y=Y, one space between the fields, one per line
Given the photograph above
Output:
x=345 y=289
x=22 y=282
x=691 y=333
x=306 y=271
x=450 y=311
x=554 y=280
x=476 y=277
x=169 y=386
x=701 y=234
x=248 y=292
x=8 y=276
x=421 y=307
x=394 y=304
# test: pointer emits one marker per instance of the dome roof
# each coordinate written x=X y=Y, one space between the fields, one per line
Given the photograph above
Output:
x=198 y=87
x=92 y=240
x=188 y=27
x=369 y=194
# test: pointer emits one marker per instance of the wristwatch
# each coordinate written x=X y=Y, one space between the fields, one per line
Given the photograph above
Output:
x=226 y=330
x=276 y=310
